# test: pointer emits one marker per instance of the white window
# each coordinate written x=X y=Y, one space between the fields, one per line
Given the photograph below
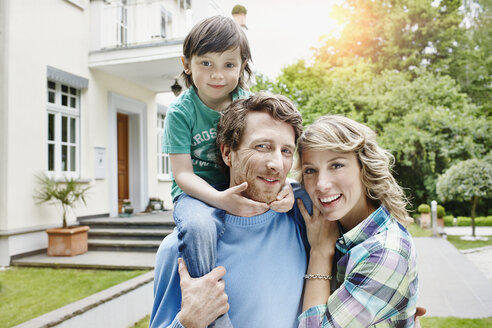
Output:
x=122 y=23
x=163 y=161
x=166 y=20
x=184 y=4
x=63 y=105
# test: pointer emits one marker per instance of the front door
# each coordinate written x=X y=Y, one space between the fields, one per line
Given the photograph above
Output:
x=123 y=179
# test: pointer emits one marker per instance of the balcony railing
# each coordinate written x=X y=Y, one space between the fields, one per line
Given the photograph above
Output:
x=127 y=22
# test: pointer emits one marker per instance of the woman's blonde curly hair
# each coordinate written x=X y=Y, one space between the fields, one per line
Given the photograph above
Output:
x=341 y=134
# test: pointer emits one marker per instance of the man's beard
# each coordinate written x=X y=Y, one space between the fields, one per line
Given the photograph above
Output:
x=261 y=194
x=245 y=171
x=256 y=191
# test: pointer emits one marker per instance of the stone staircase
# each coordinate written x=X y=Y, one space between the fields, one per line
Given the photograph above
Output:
x=138 y=233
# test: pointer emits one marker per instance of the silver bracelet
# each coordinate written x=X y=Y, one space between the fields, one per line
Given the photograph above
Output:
x=318 y=276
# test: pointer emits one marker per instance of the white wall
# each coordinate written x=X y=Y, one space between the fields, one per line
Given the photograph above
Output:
x=38 y=36
x=96 y=134
x=56 y=33
x=3 y=116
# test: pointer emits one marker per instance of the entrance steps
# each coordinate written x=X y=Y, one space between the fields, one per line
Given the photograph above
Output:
x=139 y=233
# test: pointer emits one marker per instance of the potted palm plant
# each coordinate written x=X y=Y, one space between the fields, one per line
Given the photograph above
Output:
x=64 y=241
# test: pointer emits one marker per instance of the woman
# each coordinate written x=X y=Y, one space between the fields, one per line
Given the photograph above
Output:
x=358 y=242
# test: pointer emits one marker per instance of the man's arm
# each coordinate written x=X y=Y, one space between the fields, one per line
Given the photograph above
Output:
x=204 y=298
x=169 y=307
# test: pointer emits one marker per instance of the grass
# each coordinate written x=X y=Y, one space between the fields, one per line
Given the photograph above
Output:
x=27 y=293
x=451 y=322
x=425 y=322
x=143 y=323
x=416 y=231
x=467 y=244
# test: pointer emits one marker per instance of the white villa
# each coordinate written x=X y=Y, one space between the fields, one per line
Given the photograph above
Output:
x=81 y=86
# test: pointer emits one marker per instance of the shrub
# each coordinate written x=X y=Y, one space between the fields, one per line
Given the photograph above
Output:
x=238 y=9
x=464 y=221
x=441 y=212
x=448 y=221
x=424 y=208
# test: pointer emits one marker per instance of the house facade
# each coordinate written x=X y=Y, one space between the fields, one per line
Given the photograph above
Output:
x=84 y=87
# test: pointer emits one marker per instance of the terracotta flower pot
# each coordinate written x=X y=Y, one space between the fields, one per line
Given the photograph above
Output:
x=240 y=19
x=425 y=220
x=67 y=241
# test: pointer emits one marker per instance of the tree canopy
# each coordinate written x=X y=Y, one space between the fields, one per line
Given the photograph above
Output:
x=400 y=67
x=467 y=180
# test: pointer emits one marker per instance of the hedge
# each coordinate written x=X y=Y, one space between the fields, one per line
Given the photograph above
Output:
x=464 y=221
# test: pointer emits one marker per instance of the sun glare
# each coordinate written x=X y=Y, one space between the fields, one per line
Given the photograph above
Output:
x=335 y=21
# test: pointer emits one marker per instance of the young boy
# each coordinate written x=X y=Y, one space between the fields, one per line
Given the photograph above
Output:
x=215 y=55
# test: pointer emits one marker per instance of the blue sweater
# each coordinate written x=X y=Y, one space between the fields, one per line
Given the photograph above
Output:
x=265 y=259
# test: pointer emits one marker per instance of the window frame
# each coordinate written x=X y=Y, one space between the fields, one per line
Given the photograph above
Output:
x=163 y=160
x=122 y=23
x=59 y=134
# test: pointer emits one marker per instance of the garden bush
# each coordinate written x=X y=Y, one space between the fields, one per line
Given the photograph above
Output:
x=441 y=212
x=465 y=221
x=424 y=208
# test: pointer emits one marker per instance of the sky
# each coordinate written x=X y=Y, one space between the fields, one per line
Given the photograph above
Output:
x=282 y=31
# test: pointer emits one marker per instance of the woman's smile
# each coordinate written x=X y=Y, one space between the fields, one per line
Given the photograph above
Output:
x=333 y=179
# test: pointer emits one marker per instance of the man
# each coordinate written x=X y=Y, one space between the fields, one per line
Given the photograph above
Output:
x=264 y=255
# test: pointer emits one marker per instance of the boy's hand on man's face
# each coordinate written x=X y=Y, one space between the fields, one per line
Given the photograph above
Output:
x=235 y=203
x=285 y=199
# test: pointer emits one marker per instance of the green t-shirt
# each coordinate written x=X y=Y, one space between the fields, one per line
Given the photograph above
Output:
x=190 y=128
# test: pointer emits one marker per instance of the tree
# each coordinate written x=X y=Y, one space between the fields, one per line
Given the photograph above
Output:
x=395 y=34
x=422 y=118
x=470 y=64
x=466 y=181
x=449 y=37
x=417 y=72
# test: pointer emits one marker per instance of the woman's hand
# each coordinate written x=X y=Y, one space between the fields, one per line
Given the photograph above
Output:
x=322 y=234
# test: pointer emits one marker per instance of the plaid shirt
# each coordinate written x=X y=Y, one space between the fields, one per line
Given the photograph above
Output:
x=376 y=278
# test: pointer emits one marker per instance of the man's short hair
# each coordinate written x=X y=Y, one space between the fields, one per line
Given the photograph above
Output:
x=233 y=120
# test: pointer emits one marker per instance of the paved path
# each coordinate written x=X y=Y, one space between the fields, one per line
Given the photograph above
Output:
x=482 y=259
x=450 y=284
x=467 y=231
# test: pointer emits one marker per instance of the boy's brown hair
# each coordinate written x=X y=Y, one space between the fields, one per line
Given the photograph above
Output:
x=216 y=34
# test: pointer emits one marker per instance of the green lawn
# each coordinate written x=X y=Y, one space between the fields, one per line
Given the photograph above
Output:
x=467 y=244
x=415 y=230
x=451 y=322
x=425 y=322
x=26 y=293
x=144 y=323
